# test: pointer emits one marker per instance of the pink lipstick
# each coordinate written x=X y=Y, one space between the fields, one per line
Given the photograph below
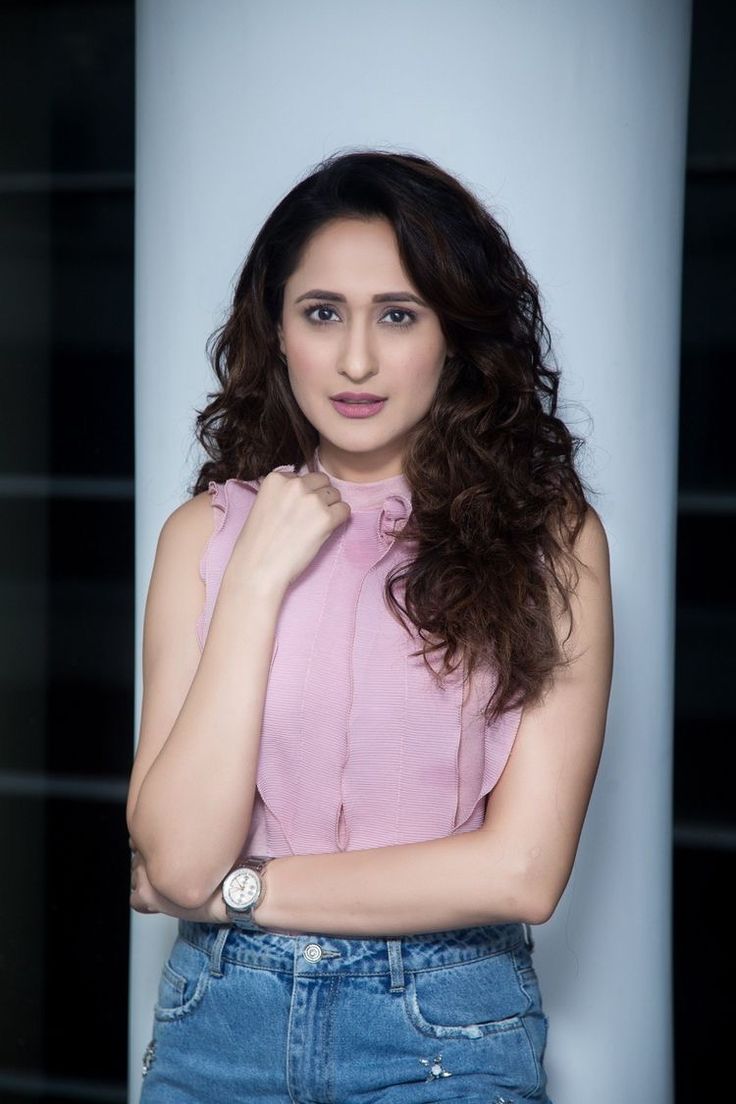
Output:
x=357 y=404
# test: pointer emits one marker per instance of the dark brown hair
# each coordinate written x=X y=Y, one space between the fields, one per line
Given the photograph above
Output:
x=496 y=499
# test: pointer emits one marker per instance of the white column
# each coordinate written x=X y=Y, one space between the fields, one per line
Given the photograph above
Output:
x=569 y=120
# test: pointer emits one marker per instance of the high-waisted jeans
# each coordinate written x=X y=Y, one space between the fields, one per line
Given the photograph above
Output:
x=319 y=1019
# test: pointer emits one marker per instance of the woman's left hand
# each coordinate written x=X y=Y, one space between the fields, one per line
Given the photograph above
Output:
x=144 y=898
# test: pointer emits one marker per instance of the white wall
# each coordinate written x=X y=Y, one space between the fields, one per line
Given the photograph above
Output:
x=569 y=120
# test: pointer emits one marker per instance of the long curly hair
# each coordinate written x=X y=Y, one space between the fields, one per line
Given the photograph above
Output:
x=497 y=501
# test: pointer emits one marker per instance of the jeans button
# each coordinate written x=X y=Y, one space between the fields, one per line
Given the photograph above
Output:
x=312 y=952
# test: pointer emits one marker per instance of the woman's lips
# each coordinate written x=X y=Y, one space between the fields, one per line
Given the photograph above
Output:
x=357 y=409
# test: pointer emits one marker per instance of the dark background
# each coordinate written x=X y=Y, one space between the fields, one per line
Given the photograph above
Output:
x=705 y=644
x=66 y=555
x=67 y=567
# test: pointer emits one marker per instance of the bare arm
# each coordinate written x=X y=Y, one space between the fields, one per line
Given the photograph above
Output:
x=144 y=898
x=517 y=865
x=193 y=780
x=541 y=800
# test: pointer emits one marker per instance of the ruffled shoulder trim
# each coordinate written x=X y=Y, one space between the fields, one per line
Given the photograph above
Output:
x=500 y=737
x=218 y=502
x=485 y=750
x=231 y=502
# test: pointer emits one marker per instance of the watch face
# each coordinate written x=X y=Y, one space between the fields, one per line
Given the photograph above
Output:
x=241 y=888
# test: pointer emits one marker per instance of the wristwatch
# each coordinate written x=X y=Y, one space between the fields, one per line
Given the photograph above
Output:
x=242 y=889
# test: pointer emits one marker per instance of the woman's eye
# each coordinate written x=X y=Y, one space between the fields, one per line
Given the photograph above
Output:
x=409 y=316
x=322 y=307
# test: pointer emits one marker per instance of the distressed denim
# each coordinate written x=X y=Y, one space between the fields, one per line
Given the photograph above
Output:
x=319 y=1019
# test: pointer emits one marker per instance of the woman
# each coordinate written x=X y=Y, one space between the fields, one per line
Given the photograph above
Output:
x=356 y=839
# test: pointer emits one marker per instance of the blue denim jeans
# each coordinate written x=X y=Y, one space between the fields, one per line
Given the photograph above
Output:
x=319 y=1019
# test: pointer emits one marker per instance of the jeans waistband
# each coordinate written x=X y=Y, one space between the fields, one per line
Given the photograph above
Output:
x=318 y=954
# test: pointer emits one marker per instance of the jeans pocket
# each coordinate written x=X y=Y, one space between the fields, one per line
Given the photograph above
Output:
x=466 y=999
x=481 y=1002
x=185 y=977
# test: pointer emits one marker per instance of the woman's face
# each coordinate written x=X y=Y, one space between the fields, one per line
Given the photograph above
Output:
x=337 y=338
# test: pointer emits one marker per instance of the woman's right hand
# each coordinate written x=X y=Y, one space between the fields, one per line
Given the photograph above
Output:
x=291 y=518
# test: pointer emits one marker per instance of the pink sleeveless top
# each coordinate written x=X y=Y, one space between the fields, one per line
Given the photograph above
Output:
x=359 y=747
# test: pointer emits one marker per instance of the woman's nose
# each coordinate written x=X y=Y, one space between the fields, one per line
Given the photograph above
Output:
x=358 y=353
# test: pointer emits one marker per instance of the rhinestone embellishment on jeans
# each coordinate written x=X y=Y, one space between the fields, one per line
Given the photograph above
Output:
x=435 y=1068
x=148 y=1056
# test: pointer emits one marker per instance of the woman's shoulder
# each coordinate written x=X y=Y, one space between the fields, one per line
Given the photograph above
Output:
x=203 y=529
x=184 y=534
x=190 y=519
x=193 y=519
x=591 y=543
x=590 y=540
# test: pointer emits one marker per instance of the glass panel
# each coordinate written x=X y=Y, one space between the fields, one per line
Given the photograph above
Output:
x=66 y=563
x=704 y=814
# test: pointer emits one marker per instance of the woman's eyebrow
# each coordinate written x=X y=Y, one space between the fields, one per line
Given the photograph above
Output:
x=382 y=297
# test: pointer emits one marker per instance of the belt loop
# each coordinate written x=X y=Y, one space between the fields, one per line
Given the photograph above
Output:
x=528 y=937
x=396 y=965
x=216 y=950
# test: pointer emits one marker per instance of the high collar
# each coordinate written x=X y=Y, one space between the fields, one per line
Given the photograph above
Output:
x=390 y=497
x=381 y=506
x=369 y=496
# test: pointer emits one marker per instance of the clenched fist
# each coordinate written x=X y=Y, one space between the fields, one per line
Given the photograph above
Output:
x=291 y=518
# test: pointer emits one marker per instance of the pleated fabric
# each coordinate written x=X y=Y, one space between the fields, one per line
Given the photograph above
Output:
x=359 y=747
